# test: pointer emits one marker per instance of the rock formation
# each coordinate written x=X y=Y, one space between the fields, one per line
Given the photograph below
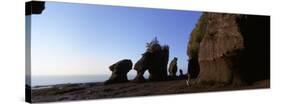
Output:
x=193 y=46
x=119 y=71
x=230 y=48
x=193 y=67
x=182 y=76
x=173 y=67
x=140 y=67
x=155 y=60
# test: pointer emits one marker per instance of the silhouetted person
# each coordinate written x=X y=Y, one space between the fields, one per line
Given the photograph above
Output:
x=188 y=80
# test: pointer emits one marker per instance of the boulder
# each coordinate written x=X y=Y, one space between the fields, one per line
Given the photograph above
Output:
x=119 y=71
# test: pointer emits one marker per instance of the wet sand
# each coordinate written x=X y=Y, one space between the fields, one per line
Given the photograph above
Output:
x=84 y=91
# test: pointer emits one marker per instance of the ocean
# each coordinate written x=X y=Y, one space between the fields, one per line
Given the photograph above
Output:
x=52 y=80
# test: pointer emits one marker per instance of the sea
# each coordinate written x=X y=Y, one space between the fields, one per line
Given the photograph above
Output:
x=53 y=80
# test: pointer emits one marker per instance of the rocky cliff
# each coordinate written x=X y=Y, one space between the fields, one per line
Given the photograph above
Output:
x=230 y=48
x=193 y=46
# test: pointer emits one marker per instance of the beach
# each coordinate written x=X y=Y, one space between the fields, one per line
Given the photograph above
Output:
x=84 y=91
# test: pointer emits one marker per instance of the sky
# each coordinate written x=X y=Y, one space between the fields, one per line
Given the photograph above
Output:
x=85 y=39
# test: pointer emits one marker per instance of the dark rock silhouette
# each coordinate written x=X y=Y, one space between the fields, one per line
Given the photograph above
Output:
x=34 y=7
x=234 y=49
x=119 y=71
x=173 y=68
x=155 y=60
x=182 y=76
x=181 y=73
x=193 y=68
x=140 y=67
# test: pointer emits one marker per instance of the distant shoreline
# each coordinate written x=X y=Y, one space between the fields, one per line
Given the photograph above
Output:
x=63 y=84
x=56 y=80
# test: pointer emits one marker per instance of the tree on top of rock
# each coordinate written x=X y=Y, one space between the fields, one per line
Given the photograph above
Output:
x=153 y=46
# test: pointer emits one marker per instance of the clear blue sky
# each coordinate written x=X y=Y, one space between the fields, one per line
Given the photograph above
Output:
x=83 y=39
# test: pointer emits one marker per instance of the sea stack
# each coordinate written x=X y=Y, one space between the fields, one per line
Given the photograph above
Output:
x=230 y=48
x=119 y=71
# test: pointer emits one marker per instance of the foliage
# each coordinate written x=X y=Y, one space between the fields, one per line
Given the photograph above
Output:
x=197 y=35
x=153 y=46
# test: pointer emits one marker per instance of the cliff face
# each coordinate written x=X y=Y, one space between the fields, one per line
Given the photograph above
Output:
x=230 y=48
x=193 y=46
